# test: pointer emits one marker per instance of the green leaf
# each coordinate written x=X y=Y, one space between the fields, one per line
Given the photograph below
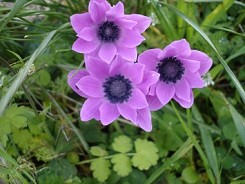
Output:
x=22 y=138
x=123 y=165
x=15 y=116
x=190 y=175
x=101 y=169
x=146 y=154
x=43 y=78
x=122 y=144
x=98 y=151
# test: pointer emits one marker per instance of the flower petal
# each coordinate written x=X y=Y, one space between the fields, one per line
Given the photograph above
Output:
x=127 y=112
x=149 y=79
x=97 y=68
x=87 y=34
x=184 y=103
x=149 y=59
x=165 y=92
x=205 y=61
x=108 y=113
x=128 y=24
x=191 y=65
x=107 y=52
x=195 y=80
x=90 y=108
x=133 y=71
x=144 y=119
x=91 y=86
x=82 y=46
x=97 y=11
x=183 y=90
x=154 y=103
x=143 y=22
x=80 y=21
x=73 y=77
x=137 y=100
x=130 y=38
x=180 y=49
x=115 y=12
x=129 y=54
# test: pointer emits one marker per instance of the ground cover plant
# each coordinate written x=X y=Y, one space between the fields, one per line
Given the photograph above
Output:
x=143 y=91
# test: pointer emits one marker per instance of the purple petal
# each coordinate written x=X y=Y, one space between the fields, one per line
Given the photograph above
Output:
x=90 y=108
x=91 y=86
x=116 y=66
x=183 y=90
x=115 y=12
x=97 y=11
x=127 y=112
x=195 y=80
x=97 y=68
x=149 y=59
x=133 y=71
x=130 y=38
x=180 y=49
x=205 y=61
x=137 y=100
x=73 y=77
x=128 y=24
x=149 y=79
x=104 y=3
x=80 y=21
x=165 y=92
x=191 y=65
x=87 y=34
x=143 y=22
x=82 y=46
x=144 y=119
x=154 y=103
x=107 y=52
x=108 y=113
x=184 y=103
x=129 y=54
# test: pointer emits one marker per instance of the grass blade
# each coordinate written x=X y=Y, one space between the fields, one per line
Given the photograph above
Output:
x=208 y=145
x=23 y=73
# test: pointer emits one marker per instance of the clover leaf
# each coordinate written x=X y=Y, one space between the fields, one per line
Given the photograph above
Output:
x=122 y=164
x=122 y=144
x=146 y=154
x=101 y=169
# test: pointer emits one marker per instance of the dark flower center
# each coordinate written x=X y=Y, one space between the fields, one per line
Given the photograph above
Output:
x=108 y=32
x=170 y=70
x=118 y=89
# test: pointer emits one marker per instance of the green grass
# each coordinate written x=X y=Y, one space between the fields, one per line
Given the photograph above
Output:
x=42 y=139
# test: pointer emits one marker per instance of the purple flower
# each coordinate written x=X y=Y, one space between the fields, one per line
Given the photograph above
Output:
x=106 y=31
x=180 y=70
x=114 y=89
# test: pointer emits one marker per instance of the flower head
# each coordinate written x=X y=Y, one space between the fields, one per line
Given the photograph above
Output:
x=105 y=31
x=180 y=70
x=114 y=89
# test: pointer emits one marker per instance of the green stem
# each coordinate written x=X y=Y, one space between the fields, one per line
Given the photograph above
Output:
x=105 y=157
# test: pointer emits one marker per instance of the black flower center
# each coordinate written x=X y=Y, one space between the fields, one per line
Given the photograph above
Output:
x=118 y=89
x=108 y=32
x=170 y=70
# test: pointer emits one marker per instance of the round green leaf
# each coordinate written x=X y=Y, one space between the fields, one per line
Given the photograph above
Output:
x=190 y=175
x=101 y=169
x=98 y=151
x=122 y=164
x=122 y=144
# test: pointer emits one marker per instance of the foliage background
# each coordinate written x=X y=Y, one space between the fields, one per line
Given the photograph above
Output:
x=42 y=139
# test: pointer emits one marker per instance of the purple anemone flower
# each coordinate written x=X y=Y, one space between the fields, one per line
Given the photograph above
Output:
x=114 y=89
x=105 y=31
x=180 y=70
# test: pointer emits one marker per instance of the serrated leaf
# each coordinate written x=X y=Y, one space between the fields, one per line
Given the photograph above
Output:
x=101 y=169
x=122 y=144
x=14 y=115
x=4 y=131
x=98 y=151
x=122 y=164
x=146 y=154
